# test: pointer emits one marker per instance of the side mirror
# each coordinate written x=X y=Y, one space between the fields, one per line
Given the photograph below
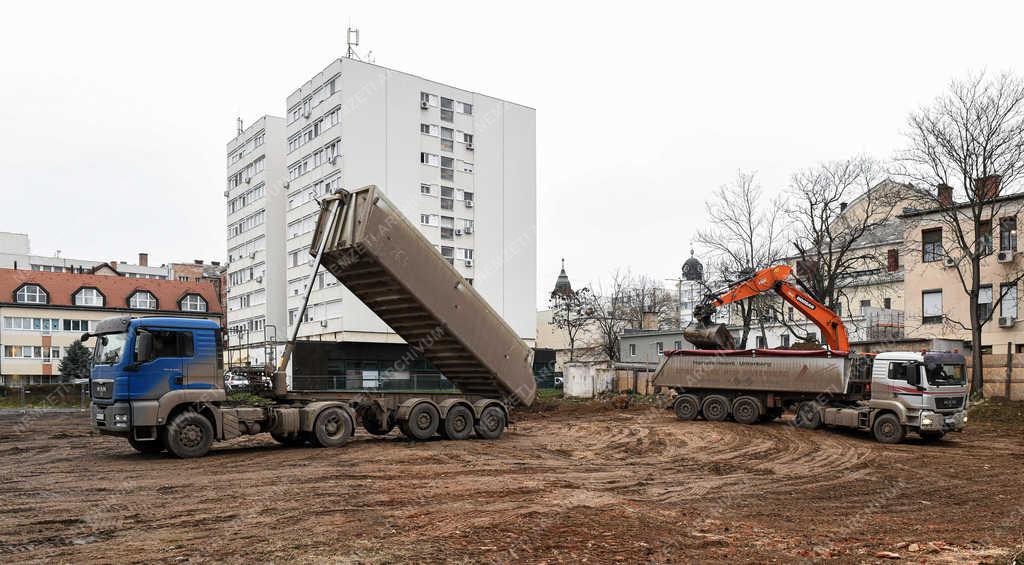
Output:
x=143 y=347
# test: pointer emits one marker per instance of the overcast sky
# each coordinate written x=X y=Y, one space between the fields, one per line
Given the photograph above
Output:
x=114 y=116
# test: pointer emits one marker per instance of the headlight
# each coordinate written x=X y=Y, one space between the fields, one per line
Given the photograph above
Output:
x=121 y=418
x=926 y=421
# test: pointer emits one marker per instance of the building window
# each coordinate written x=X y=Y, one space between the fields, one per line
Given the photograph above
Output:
x=678 y=344
x=425 y=219
x=784 y=340
x=88 y=297
x=660 y=347
x=864 y=304
x=985 y=302
x=931 y=245
x=142 y=300
x=632 y=350
x=893 y=260
x=425 y=189
x=76 y=325
x=31 y=294
x=983 y=243
x=193 y=303
x=762 y=343
x=931 y=307
x=1008 y=307
x=466 y=108
x=887 y=302
x=1008 y=234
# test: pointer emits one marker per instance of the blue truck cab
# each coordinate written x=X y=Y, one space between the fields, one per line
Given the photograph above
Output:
x=146 y=370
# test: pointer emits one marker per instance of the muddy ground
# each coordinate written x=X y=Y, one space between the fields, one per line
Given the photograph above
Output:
x=574 y=484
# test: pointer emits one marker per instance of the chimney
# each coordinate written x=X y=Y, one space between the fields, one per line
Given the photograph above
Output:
x=144 y=259
x=215 y=263
x=199 y=261
x=945 y=195
x=114 y=264
x=987 y=187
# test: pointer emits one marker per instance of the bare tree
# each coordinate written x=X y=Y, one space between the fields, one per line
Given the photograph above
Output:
x=648 y=301
x=745 y=236
x=607 y=310
x=570 y=313
x=838 y=211
x=969 y=145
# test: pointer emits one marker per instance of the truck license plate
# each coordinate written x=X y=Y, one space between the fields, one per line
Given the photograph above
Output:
x=100 y=416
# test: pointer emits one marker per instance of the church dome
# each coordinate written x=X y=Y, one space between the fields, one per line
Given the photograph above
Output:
x=693 y=270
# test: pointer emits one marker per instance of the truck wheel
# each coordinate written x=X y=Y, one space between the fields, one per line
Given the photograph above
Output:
x=746 y=410
x=150 y=446
x=290 y=440
x=458 y=423
x=888 y=429
x=332 y=428
x=189 y=434
x=423 y=421
x=491 y=424
x=715 y=408
x=687 y=407
x=808 y=416
x=929 y=437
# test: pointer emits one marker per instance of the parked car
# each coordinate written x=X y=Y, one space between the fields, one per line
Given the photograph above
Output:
x=235 y=382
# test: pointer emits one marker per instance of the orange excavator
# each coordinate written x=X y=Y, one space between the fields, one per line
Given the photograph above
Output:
x=707 y=335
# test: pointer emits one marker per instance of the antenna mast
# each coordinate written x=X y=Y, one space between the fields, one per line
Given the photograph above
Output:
x=353 y=42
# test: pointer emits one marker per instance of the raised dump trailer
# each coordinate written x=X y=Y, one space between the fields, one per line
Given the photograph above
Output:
x=159 y=381
x=889 y=394
x=393 y=269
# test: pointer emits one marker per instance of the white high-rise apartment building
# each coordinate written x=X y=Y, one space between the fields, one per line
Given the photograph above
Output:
x=459 y=164
x=255 y=197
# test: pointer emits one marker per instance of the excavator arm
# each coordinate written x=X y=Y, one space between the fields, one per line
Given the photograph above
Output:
x=833 y=331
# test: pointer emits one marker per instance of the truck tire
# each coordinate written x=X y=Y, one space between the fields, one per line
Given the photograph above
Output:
x=687 y=407
x=290 y=440
x=808 y=415
x=715 y=408
x=888 y=429
x=189 y=434
x=458 y=423
x=929 y=437
x=332 y=428
x=746 y=410
x=491 y=424
x=422 y=422
x=149 y=446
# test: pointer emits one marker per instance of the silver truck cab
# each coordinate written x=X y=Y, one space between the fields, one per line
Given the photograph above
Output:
x=926 y=390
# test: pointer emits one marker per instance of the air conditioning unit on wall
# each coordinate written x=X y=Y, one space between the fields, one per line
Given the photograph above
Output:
x=1007 y=322
x=949 y=262
x=1004 y=256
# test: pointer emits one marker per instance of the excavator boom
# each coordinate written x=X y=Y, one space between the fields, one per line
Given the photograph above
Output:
x=705 y=334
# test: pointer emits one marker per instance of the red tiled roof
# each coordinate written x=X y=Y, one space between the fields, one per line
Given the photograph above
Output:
x=117 y=290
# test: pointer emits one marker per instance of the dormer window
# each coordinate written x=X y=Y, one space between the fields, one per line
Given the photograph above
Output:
x=88 y=297
x=142 y=300
x=193 y=303
x=31 y=294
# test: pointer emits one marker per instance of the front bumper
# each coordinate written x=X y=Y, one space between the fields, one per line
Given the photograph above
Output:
x=936 y=422
x=112 y=419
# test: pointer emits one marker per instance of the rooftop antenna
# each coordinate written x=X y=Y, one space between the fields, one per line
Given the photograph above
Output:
x=353 y=42
x=240 y=128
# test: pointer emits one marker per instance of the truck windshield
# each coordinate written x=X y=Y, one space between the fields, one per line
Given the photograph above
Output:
x=109 y=348
x=945 y=375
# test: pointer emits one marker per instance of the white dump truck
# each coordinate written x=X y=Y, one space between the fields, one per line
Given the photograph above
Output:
x=889 y=394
